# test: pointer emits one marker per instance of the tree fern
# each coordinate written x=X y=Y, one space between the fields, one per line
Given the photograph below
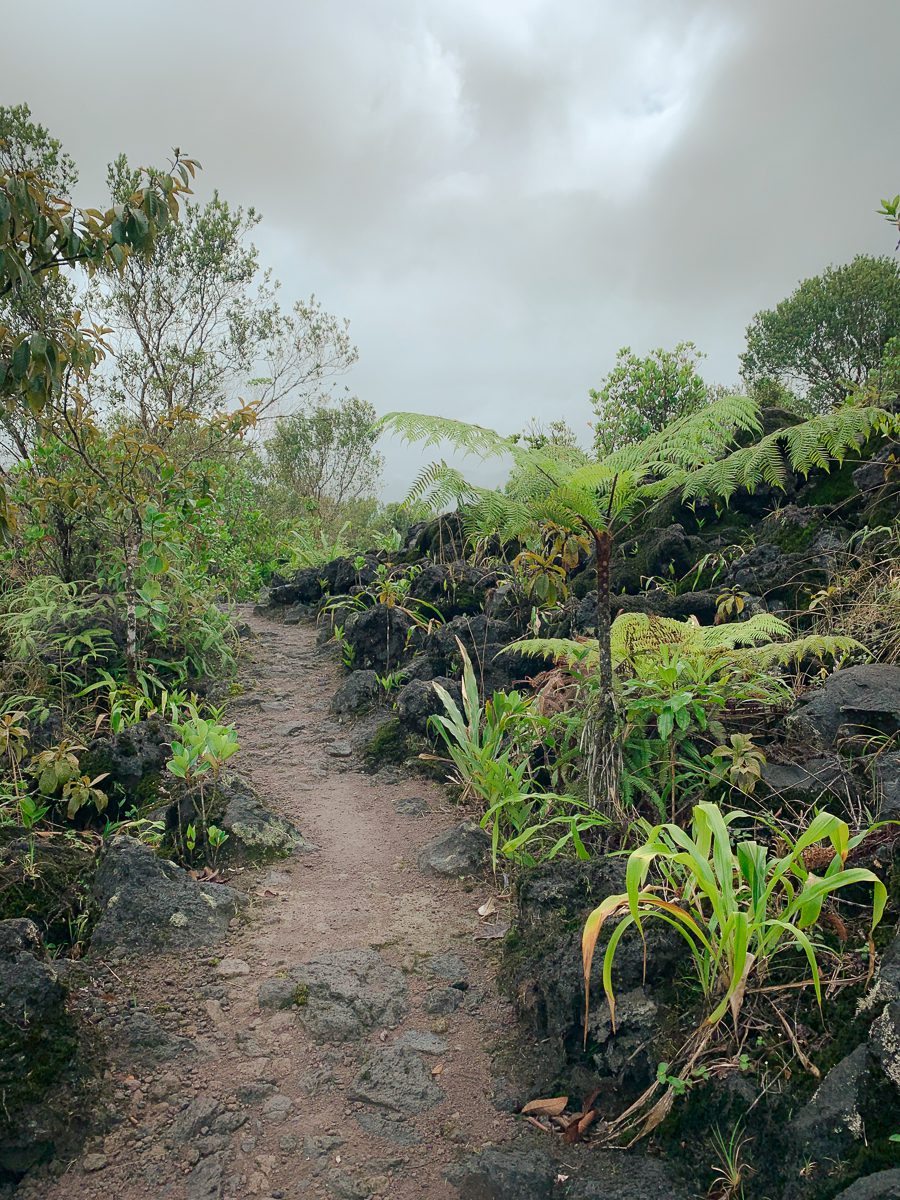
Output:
x=698 y=455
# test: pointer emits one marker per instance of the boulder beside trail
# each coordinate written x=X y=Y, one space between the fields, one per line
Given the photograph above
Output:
x=417 y=701
x=147 y=902
x=864 y=699
x=462 y=850
x=40 y=1068
x=358 y=692
x=524 y=1172
x=255 y=833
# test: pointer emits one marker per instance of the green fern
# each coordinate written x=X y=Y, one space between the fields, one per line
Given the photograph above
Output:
x=698 y=455
x=759 y=643
x=819 y=443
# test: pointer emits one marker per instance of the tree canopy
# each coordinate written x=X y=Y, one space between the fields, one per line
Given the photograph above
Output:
x=640 y=396
x=828 y=337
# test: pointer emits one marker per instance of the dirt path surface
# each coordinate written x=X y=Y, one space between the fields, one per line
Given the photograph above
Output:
x=362 y=1067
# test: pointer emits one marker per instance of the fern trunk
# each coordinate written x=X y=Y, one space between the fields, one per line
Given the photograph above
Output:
x=600 y=737
x=603 y=550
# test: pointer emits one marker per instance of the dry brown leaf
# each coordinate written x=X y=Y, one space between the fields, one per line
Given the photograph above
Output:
x=438 y=1069
x=587 y=1121
x=488 y=908
x=553 y=1107
x=538 y=1125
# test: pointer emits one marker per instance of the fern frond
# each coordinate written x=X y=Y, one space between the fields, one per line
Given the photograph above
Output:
x=429 y=430
x=568 y=650
x=439 y=485
x=818 y=443
x=764 y=627
x=783 y=654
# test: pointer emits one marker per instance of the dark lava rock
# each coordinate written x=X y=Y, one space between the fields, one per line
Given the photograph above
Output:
x=441 y=538
x=825 y=781
x=887 y=777
x=39 y=1053
x=148 y=902
x=454 y=589
x=138 y=1039
x=611 y=1176
x=862 y=699
x=828 y=1128
x=505 y=1174
x=132 y=760
x=884 y=1041
x=254 y=833
x=379 y=638
x=389 y=1125
x=666 y=551
x=304 y=587
x=421 y=667
x=396 y=1078
x=343 y=995
x=543 y=972
x=522 y=1173
x=278 y=993
x=701 y=605
x=359 y=691
x=442 y=1001
x=883 y=1185
x=462 y=850
x=773 y=573
x=881 y=469
x=417 y=701
x=486 y=642
x=449 y=967
x=341 y=575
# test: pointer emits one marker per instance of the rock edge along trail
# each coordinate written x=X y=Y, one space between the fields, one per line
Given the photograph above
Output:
x=340 y=1038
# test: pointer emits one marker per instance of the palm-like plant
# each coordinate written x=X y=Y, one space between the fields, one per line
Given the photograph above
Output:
x=698 y=455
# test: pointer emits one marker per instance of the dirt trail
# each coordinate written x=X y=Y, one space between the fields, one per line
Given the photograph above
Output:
x=261 y=1103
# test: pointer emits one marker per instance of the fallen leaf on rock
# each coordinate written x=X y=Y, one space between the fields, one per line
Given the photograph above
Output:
x=488 y=908
x=492 y=931
x=552 y=1107
x=438 y=1069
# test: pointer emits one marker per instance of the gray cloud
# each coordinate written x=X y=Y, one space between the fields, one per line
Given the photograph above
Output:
x=499 y=196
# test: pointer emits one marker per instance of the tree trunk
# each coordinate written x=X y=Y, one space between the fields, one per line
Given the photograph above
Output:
x=132 y=550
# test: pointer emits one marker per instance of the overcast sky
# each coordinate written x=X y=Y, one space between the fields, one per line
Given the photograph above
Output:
x=499 y=193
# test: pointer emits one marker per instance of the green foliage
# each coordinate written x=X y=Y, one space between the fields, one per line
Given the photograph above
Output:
x=490 y=748
x=641 y=396
x=313 y=546
x=42 y=234
x=815 y=444
x=324 y=455
x=760 y=643
x=829 y=336
x=734 y=905
x=201 y=746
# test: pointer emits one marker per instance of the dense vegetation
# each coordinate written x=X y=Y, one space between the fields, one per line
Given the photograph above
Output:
x=609 y=655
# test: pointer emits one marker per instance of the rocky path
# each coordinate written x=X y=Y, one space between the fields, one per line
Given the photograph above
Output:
x=338 y=1043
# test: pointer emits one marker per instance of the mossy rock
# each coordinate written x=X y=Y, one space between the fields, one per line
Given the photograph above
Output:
x=391 y=745
x=49 y=881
